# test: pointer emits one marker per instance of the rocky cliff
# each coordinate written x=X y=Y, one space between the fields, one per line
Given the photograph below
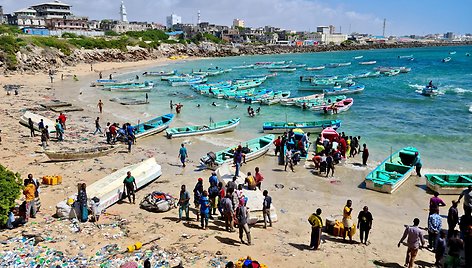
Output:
x=32 y=59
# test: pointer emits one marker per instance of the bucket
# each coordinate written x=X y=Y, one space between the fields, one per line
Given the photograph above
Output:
x=330 y=222
x=138 y=245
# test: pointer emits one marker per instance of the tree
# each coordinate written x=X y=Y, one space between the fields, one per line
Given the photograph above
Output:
x=10 y=190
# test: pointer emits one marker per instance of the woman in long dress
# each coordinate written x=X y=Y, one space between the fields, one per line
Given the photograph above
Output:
x=82 y=199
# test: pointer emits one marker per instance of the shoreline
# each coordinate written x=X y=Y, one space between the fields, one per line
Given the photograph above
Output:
x=278 y=246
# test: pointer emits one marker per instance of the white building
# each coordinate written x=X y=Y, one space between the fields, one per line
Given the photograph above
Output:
x=238 y=23
x=26 y=18
x=52 y=10
x=123 y=13
x=173 y=20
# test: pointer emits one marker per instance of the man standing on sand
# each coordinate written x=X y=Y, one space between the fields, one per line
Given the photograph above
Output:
x=184 y=203
x=204 y=210
x=266 y=208
x=364 y=224
x=434 y=227
x=452 y=218
x=289 y=160
x=45 y=137
x=365 y=154
x=183 y=154
x=415 y=236
x=238 y=158
x=100 y=106
x=98 y=128
x=347 y=220
x=242 y=215
x=228 y=211
x=31 y=127
x=41 y=125
x=130 y=186
x=434 y=203
x=29 y=191
x=197 y=195
x=277 y=143
x=467 y=194
x=62 y=119
x=417 y=163
x=316 y=226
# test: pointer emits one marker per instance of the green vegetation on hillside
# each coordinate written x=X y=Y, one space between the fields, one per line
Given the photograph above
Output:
x=10 y=190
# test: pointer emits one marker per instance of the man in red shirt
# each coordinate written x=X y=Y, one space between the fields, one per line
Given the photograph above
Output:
x=62 y=120
x=113 y=132
x=277 y=144
x=259 y=178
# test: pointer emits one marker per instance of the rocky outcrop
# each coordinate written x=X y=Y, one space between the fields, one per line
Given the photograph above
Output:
x=33 y=59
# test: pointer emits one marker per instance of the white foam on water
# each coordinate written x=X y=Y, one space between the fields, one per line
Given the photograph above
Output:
x=416 y=86
x=457 y=90
x=219 y=141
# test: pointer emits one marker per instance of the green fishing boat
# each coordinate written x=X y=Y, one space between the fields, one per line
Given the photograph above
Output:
x=308 y=127
x=448 y=183
x=212 y=128
x=393 y=171
x=252 y=149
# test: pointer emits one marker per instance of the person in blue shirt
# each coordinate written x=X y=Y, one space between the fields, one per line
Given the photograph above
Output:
x=204 y=209
x=183 y=154
x=213 y=179
x=418 y=164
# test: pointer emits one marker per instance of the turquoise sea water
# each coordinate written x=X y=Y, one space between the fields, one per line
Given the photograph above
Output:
x=388 y=114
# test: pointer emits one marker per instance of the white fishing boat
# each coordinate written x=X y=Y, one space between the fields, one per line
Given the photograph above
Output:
x=448 y=59
x=110 y=188
x=211 y=128
x=317 y=68
x=131 y=89
x=36 y=118
x=405 y=56
x=358 y=57
x=286 y=70
x=452 y=53
x=368 y=62
x=470 y=109
x=293 y=101
x=344 y=64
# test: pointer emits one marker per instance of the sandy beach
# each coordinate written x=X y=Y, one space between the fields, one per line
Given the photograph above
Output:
x=286 y=244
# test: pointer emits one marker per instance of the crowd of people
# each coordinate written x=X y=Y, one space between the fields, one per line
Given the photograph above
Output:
x=291 y=147
x=229 y=201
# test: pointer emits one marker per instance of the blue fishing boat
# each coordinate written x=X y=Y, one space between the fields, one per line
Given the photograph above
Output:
x=153 y=126
x=344 y=91
x=306 y=126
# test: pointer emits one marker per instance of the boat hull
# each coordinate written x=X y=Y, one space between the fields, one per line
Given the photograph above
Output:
x=74 y=155
x=307 y=128
x=36 y=118
x=227 y=128
x=148 y=128
x=440 y=183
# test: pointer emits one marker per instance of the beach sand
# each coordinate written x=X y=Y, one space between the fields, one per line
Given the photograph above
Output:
x=286 y=244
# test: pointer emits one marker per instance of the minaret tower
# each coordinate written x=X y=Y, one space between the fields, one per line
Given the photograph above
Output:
x=123 y=12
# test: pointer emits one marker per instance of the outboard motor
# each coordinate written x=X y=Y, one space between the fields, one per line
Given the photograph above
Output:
x=209 y=159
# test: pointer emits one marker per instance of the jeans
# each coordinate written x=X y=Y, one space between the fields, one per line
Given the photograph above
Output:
x=204 y=220
x=184 y=208
x=244 y=228
x=129 y=193
x=432 y=236
x=238 y=166
x=98 y=129
x=266 y=213
x=364 y=233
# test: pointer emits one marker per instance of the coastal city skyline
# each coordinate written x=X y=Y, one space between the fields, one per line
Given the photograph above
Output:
x=300 y=15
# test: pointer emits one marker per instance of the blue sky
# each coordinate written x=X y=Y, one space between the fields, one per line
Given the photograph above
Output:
x=364 y=16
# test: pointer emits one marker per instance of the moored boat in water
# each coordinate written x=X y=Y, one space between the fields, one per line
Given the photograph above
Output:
x=343 y=91
x=338 y=107
x=306 y=126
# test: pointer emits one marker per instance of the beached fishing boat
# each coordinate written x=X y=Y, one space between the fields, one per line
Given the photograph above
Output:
x=338 y=107
x=292 y=101
x=368 y=62
x=153 y=126
x=308 y=127
x=252 y=149
x=188 y=82
x=448 y=183
x=448 y=59
x=343 y=91
x=36 y=118
x=358 y=57
x=317 y=68
x=79 y=153
x=160 y=73
x=393 y=171
x=109 y=189
x=211 y=128
x=283 y=70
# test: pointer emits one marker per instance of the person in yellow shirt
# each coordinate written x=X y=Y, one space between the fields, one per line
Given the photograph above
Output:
x=347 y=220
x=251 y=182
x=316 y=226
x=29 y=192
